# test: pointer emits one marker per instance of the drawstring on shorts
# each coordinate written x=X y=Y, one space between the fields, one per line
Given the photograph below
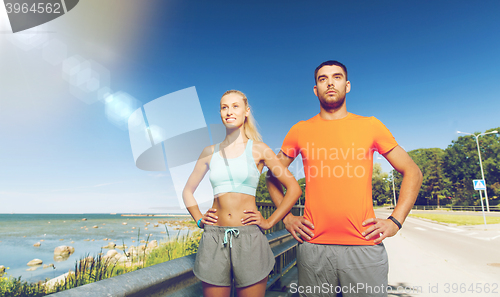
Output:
x=232 y=232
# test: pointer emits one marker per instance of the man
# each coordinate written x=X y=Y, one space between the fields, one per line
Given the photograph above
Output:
x=343 y=250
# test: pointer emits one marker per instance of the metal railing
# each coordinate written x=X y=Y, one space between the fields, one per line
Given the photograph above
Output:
x=284 y=248
x=175 y=278
x=267 y=208
x=453 y=208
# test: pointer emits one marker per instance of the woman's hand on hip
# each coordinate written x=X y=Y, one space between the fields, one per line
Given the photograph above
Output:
x=254 y=217
x=210 y=217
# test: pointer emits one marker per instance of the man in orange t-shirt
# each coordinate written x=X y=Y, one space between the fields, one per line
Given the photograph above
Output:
x=343 y=249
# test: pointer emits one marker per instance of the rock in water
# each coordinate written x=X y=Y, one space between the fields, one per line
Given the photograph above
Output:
x=64 y=250
x=35 y=262
x=153 y=244
x=110 y=245
x=111 y=253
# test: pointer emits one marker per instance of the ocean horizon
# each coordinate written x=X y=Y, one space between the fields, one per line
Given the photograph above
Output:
x=88 y=233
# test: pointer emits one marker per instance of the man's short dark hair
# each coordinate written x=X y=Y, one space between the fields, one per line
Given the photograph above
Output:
x=329 y=63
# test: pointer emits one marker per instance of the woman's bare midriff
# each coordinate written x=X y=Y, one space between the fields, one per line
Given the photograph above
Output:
x=230 y=207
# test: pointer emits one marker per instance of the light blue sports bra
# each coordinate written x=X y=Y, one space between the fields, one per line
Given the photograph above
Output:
x=237 y=175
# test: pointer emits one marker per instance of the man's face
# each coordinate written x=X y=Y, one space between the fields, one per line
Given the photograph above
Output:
x=331 y=87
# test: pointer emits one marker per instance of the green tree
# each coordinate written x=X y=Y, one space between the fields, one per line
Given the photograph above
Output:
x=262 y=194
x=380 y=185
x=302 y=198
x=435 y=185
x=490 y=154
x=461 y=166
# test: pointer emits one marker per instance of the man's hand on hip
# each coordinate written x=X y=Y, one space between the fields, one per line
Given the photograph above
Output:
x=382 y=228
x=297 y=224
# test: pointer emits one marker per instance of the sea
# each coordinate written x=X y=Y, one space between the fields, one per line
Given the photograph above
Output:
x=19 y=233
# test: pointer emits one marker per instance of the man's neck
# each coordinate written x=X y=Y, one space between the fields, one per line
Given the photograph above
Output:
x=333 y=114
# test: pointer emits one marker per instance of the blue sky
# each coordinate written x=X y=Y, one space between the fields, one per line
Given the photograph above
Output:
x=425 y=69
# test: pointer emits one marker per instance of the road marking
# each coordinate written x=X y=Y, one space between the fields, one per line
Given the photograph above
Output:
x=429 y=226
x=483 y=238
x=487 y=238
x=454 y=229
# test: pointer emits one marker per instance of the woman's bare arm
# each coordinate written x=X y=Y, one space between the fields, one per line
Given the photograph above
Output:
x=285 y=177
x=200 y=169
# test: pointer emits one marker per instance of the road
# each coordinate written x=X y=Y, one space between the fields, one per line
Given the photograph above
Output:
x=431 y=259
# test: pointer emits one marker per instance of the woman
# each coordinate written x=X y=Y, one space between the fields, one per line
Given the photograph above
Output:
x=233 y=245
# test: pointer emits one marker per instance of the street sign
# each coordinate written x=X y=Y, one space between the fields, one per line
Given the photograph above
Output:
x=479 y=184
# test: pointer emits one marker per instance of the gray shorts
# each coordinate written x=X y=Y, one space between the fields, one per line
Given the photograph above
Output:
x=243 y=254
x=352 y=270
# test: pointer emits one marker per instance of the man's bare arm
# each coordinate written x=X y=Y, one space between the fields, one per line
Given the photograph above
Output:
x=294 y=224
x=412 y=180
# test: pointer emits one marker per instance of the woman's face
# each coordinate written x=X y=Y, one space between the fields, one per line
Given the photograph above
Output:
x=233 y=111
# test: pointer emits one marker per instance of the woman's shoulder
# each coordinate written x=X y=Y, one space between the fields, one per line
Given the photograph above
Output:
x=207 y=151
x=260 y=146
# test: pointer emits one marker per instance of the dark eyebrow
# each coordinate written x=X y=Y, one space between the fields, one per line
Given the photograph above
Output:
x=335 y=74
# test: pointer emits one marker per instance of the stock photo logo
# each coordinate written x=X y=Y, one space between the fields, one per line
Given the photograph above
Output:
x=26 y=14
x=172 y=130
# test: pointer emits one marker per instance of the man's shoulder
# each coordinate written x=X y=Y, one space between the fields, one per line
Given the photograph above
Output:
x=353 y=116
x=367 y=119
x=368 y=124
x=299 y=125
x=305 y=123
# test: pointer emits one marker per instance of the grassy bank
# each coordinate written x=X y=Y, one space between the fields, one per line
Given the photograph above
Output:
x=92 y=269
x=458 y=219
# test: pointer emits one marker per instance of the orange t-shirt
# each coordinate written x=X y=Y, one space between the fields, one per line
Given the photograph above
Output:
x=338 y=165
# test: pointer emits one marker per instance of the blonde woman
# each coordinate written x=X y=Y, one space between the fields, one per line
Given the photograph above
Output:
x=233 y=245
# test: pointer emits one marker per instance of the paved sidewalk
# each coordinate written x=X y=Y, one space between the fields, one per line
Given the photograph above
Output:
x=420 y=266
